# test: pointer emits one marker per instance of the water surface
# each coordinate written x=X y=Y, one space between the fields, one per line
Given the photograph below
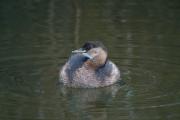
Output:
x=37 y=36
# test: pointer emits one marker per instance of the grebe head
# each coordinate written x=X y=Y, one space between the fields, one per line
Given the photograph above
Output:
x=95 y=52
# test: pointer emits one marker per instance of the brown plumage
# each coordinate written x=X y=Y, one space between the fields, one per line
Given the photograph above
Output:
x=89 y=67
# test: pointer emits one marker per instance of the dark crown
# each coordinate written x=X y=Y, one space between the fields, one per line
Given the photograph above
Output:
x=93 y=44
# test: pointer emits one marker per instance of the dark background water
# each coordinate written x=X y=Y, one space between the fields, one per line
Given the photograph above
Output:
x=143 y=39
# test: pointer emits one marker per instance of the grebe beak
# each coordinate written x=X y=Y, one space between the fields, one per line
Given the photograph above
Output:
x=79 y=51
x=87 y=55
x=83 y=52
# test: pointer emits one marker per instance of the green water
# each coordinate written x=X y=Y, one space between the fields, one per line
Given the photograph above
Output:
x=37 y=37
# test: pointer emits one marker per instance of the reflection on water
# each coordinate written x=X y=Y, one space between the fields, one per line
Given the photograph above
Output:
x=36 y=38
x=89 y=103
